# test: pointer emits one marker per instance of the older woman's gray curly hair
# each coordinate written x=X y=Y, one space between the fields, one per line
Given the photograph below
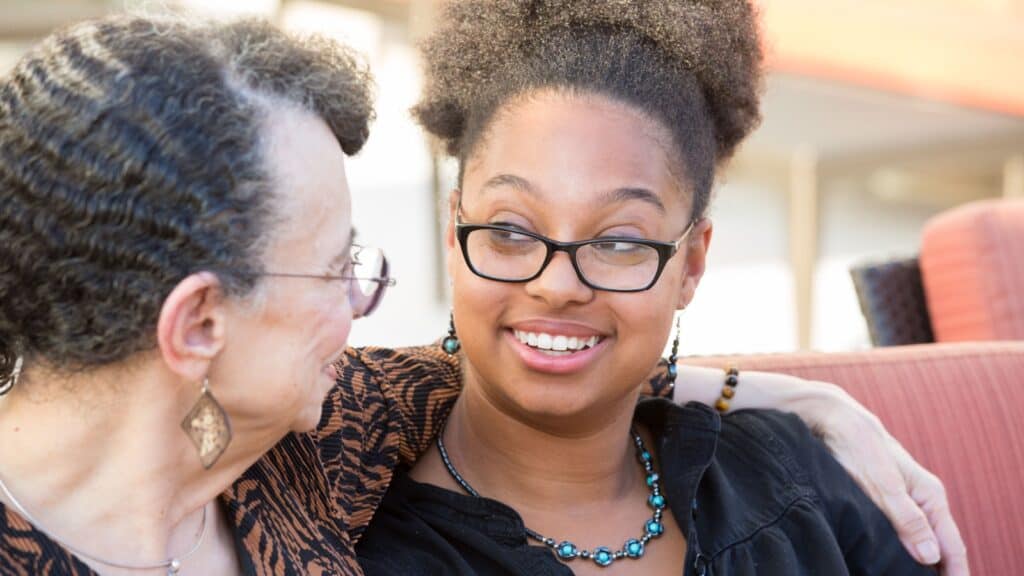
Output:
x=130 y=157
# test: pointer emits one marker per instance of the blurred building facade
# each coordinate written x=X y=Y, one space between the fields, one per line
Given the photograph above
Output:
x=878 y=114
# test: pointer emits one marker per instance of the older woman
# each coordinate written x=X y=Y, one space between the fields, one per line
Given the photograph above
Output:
x=178 y=276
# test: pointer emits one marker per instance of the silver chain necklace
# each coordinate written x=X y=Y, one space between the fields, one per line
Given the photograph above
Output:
x=173 y=565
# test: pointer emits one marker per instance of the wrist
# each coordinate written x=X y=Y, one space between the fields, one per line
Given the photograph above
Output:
x=810 y=399
x=821 y=406
x=728 y=393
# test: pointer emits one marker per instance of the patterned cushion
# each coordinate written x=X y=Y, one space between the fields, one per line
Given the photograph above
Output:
x=972 y=264
x=892 y=300
x=957 y=409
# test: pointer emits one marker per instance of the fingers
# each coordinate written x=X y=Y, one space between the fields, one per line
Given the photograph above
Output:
x=911 y=524
x=954 y=553
x=884 y=480
x=912 y=498
x=886 y=484
x=931 y=496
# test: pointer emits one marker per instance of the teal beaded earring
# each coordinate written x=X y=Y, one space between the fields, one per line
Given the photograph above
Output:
x=451 y=344
x=673 y=370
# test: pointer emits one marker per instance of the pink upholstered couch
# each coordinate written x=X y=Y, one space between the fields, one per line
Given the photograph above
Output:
x=958 y=409
x=972 y=269
x=958 y=405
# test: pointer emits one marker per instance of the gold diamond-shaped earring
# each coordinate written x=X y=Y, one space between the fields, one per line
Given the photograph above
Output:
x=208 y=426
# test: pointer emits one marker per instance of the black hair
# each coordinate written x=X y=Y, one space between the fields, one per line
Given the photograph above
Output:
x=692 y=65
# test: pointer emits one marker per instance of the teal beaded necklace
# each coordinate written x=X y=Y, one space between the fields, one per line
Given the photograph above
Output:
x=602 y=555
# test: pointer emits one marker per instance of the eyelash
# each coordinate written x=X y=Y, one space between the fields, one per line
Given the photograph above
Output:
x=510 y=225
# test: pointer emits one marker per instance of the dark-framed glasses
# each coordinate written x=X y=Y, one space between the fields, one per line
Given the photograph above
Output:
x=367 y=277
x=614 y=264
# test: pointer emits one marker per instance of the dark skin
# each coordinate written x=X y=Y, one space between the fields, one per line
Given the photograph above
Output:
x=552 y=440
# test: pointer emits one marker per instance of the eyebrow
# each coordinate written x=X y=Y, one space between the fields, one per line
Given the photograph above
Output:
x=626 y=194
x=517 y=182
x=613 y=197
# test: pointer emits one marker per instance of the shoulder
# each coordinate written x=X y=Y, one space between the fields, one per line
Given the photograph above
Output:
x=386 y=405
x=375 y=384
x=791 y=461
x=780 y=441
x=26 y=551
x=758 y=475
x=788 y=448
x=409 y=364
x=799 y=479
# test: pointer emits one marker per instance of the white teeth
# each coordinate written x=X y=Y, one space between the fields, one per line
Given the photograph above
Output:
x=544 y=341
x=559 y=343
x=555 y=352
x=556 y=344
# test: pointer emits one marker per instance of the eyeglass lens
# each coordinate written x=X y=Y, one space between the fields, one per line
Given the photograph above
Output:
x=614 y=265
x=369 y=267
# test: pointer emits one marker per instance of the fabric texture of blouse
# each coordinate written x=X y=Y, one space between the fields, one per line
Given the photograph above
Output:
x=754 y=493
x=301 y=508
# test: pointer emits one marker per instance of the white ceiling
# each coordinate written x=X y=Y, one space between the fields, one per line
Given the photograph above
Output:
x=841 y=121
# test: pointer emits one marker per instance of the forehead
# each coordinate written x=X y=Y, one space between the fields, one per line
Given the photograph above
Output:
x=577 y=145
x=307 y=167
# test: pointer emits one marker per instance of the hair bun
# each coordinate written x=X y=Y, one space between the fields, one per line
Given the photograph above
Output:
x=479 y=41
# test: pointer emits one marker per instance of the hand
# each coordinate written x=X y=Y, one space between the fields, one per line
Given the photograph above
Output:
x=911 y=497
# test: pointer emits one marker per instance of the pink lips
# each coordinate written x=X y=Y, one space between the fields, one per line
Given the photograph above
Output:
x=556 y=327
x=567 y=364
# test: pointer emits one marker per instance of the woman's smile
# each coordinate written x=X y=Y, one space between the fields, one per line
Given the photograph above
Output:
x=553 y=347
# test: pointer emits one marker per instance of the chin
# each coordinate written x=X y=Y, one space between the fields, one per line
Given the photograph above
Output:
x=308 y=419
x=543 y=403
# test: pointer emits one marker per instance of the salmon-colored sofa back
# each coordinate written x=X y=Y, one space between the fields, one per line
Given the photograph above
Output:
x=957 y=408
x=972 y=267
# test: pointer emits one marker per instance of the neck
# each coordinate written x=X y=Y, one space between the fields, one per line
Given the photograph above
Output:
x=103 y=466
x=546 y=467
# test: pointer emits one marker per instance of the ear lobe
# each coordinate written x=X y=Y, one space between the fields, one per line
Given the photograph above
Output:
x=696 y=260
x=191 y=327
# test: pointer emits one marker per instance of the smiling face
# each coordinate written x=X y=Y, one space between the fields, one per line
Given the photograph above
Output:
x=571 y=168
x=282 y=342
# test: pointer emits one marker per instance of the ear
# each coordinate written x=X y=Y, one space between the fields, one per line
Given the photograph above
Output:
x=449 y=234
x=696 y=247
x=191 y=327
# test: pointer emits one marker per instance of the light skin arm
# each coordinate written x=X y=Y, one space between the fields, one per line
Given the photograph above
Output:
x=911 y=497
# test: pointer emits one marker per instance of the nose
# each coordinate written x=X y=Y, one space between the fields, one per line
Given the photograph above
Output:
x=559 y=285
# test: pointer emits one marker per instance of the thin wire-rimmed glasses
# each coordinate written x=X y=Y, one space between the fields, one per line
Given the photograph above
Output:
x=614 y=264
x=367 y=281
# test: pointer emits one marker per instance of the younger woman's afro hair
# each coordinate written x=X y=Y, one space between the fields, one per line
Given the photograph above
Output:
x=487 y=46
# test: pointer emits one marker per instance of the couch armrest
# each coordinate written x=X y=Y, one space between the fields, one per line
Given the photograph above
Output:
x=957 y=408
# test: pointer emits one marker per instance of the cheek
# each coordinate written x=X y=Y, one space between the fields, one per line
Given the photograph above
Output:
x=646 y=321
x=331 y=322
x=477 y=302
x=313 y=327
x=338 y=328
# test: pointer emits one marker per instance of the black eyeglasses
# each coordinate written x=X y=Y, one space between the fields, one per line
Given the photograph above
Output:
x=613 y=264
x=368 y=279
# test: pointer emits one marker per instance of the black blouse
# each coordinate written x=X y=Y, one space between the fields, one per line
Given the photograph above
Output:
x=754 y=492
